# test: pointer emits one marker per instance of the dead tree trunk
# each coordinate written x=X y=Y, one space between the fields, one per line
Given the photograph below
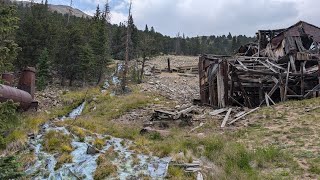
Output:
x=125 y=71
x=142 y=69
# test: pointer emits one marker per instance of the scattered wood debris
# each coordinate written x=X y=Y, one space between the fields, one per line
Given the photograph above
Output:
x=284 y=65
x=195 y=166
x=243 y=115
x=312 y=109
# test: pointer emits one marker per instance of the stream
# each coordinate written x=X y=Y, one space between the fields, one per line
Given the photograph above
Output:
x=84 y=165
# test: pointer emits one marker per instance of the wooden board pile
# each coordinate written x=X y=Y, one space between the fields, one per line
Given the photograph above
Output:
x=253 y=81
x=232 y=115
x=285 y=64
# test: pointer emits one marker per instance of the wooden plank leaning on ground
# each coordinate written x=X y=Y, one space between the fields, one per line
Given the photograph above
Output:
x=243 y=115
x=226 y=118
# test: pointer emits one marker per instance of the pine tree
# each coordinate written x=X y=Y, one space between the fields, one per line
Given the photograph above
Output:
x=229 y=36
x=100 y=41
x=152 y=30
x=146 y=29
x=43 y=70
x=8 y=25
x=34 y=35
x=234 y=44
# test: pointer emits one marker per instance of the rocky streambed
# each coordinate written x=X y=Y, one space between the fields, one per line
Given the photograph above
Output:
x=129 y=165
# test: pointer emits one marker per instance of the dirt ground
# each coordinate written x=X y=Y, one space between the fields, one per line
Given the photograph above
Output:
x=286 y=126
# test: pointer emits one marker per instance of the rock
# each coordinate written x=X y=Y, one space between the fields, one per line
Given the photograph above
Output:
x=31 y=135
x=91 y=150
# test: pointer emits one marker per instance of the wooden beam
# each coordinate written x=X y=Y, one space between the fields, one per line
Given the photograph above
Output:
x=237 y=102
x=267 y=66
x=292 y=62
x=267 y=100
x=270 y=99
x=310 y=92
x=302 y=69
x=286 y=85
x=226 y=118
x=243 y=115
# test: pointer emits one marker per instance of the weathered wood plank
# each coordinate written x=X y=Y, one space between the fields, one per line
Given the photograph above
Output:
x=253 y=110
x=226 y=118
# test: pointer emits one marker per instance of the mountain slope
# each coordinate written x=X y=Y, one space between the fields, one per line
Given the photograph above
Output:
x=62 y=9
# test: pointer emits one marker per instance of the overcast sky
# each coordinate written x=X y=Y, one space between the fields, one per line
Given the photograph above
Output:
x=208 y=17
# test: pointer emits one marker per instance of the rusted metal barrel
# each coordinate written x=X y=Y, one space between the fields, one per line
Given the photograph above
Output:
x=27 y=81
x=18 y=96
x=8 y=78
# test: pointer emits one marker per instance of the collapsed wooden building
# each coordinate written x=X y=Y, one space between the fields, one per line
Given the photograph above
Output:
x=284 y=64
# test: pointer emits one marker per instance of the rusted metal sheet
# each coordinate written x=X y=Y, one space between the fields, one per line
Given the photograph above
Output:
x=19 y=96
x=27 y=80
x=8 y=78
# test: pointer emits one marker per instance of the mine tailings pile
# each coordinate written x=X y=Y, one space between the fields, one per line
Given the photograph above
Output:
x=282 y=65
x=24 y=94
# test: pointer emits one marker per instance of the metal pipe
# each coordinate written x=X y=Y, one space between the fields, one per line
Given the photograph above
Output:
x=27 y=81
x=18 y=96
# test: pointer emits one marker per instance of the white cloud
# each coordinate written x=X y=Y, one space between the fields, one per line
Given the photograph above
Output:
x=117 y=17
x=207 y=17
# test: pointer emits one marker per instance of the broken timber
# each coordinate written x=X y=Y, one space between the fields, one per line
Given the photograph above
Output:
x=226 y=118
x=242 y=116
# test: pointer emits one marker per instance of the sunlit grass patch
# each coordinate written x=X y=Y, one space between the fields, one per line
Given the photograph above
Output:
x=63 y=159
x=57 y=142
x=105 y=168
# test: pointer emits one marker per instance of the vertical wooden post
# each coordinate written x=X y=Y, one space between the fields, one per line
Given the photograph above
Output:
x=319 y=74
x=287 y=81
x=226 y=81
x=281 y=87
x=169 y=68
x=292 y=62
x=302 y=77
x=261 y=95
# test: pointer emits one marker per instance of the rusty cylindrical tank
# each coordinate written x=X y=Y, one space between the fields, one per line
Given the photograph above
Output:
x=27 y=81
x=8 y=78
x=17 y=95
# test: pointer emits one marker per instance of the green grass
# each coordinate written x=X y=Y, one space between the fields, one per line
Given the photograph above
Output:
x=105 y=168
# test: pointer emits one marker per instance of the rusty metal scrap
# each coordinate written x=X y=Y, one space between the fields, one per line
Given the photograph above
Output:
x=27 y=80
x=17 y=95
x=24 y=94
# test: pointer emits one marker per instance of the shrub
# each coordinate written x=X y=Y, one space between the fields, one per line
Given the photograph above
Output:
x=9 y=168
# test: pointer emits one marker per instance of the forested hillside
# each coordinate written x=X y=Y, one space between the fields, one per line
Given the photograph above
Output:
x=79 y=48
